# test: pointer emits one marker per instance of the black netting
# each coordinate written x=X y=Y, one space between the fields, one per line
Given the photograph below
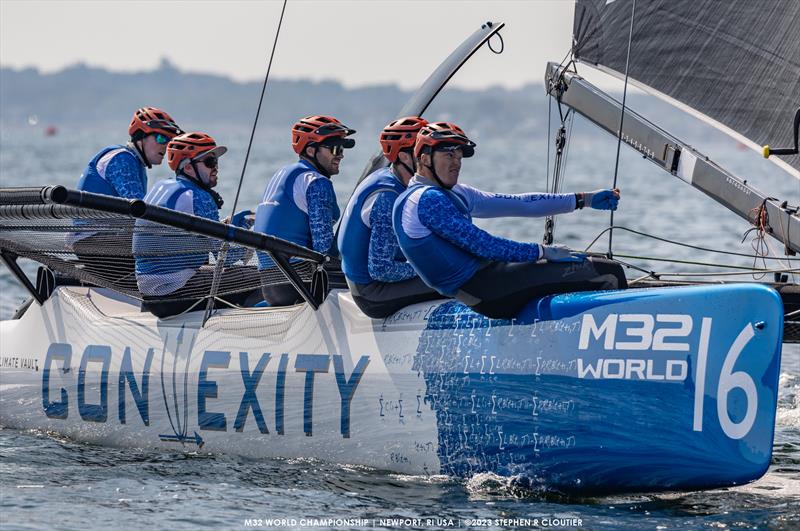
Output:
x=98 y=248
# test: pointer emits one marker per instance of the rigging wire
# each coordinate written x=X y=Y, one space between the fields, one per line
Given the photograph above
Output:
x=561 y=142
x=223 y=252
x=722 y=274
x=562 y=66
x=744 y=270
x=570 y=120
x=683 y=244
x=621 y=119
x=549 y=116
x=258 y=110
x=558 y=168
x=710 y=264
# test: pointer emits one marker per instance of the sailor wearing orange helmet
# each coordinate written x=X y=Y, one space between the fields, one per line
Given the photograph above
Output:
x=121 y=171
x=379 y=277
x=494 y=276
x=176 y=271
x=299 y=204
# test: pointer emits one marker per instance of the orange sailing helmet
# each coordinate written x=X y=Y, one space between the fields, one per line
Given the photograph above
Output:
x=149 y=120
x=443 y=134
x=399 y=135
x=315 y=129
x=187 y=147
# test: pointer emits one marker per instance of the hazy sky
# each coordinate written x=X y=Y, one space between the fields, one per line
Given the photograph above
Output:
x=358 y=42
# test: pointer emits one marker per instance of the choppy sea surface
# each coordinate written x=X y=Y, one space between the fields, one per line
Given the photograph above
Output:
x=49 y=482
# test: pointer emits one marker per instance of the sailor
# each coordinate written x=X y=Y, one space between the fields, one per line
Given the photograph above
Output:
x=494 y=276
x=121 y=171
x=379 y=277
x=299 y=204
x=171 y=265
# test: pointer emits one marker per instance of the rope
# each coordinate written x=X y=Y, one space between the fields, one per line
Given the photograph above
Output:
x=639 y=279
x=502 y=44
x=760 y=243
x=559 y=164
x=709 y=264
x=567 y=142
x=224 y=251
x=682 y=244
x=258 y=110
x=656 y=275
x=723 y=274
x=621 y=119
x=549 y=129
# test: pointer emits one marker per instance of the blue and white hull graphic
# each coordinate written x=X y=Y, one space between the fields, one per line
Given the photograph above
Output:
x=638 y=390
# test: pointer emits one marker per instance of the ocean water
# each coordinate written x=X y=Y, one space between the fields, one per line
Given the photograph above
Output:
x=48 y=482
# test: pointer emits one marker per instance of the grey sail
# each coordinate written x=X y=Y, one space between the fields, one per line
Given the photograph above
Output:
x=735 y=62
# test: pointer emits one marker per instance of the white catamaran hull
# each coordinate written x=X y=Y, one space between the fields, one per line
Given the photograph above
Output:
x=655 y=389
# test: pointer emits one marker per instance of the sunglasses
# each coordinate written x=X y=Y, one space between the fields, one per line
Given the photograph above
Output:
x=161 y=139
x=335 y=150
x=210 y=162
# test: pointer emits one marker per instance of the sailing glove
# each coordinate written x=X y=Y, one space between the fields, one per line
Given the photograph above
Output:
x=560 y=253
x=599 y=199
x=243 y=219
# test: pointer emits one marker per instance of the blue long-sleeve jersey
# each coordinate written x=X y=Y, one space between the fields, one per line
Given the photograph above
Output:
x=435 y=230
x=369 y=247
x=386 y=261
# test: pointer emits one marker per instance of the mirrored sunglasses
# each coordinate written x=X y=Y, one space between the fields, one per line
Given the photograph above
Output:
x=161 y=139
x=210 y=162
x=336 y=149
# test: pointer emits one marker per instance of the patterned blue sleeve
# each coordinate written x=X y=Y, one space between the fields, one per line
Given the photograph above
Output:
x=386 y=262
x=437 y=213
x=321 y=200
x=205 y=207
x=123 y=172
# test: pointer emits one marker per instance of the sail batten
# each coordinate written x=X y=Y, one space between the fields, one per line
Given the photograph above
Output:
x=735 y=63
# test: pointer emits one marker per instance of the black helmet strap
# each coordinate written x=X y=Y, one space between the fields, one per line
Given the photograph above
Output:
x=433 y=169
x=137 y=140
x=214 y=195
x=313 y=160
x=413 y=168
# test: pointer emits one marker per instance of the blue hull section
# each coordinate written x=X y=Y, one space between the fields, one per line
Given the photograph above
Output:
x=647 y=390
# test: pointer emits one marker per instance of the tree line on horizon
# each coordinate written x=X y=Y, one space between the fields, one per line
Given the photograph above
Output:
x=79 y=94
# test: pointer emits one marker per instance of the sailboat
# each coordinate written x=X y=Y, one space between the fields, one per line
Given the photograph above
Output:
x=662 y=387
